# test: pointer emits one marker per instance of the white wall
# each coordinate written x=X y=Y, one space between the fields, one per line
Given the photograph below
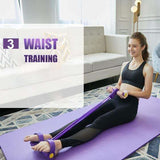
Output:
x=123 y=17
x=39 y=11
x=149 y=20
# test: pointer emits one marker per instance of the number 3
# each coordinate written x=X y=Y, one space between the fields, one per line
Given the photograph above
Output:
x=11 y=44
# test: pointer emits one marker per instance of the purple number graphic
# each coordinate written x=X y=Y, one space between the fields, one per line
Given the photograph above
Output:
x=10 y=43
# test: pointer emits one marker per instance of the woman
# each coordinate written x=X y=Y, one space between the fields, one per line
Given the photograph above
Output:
x=135 y=75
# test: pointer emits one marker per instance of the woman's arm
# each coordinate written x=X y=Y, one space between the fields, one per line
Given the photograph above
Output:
x=118 y=85
x=148 y=75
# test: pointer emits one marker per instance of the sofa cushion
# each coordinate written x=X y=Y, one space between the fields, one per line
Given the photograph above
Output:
x=35 y=73
x=104 y=60
x=87 y=67
x=94 y=40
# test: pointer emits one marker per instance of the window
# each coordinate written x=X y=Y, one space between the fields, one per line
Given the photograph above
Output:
x=10 y=12
x=70 y=11
x=88 y=12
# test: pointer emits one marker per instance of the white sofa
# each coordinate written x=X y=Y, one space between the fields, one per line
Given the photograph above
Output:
x=104 y=54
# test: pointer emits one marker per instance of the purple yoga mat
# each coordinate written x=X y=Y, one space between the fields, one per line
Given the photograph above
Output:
x=113 y=144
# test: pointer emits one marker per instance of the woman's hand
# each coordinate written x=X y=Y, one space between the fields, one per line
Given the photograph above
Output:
x=122 y=95
x=110 y=89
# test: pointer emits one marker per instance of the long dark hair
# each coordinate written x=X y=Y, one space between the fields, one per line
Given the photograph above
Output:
x=142 y=39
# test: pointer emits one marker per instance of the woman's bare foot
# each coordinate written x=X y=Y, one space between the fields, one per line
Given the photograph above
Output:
x=44 y=146
x=34 y=138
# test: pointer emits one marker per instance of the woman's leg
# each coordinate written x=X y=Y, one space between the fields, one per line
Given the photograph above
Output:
x=80 y=137
x=119 y=114
x=105 y=121
x=108 y=106
x=122 y=113
x=46 y=136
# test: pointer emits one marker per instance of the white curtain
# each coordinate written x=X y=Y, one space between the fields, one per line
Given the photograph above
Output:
x=89 y=12
x=10 y=12
x=70 y=11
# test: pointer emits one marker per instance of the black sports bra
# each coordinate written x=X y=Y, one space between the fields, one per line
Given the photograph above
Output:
x=133 y=77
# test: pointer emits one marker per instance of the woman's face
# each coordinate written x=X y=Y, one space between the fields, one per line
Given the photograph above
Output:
x=134 y=48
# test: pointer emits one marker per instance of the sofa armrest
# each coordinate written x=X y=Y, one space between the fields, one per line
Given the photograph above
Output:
x=117 y=44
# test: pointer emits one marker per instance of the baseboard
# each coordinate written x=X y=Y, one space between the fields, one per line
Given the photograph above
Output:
x=5 y=111
x=101 y=83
